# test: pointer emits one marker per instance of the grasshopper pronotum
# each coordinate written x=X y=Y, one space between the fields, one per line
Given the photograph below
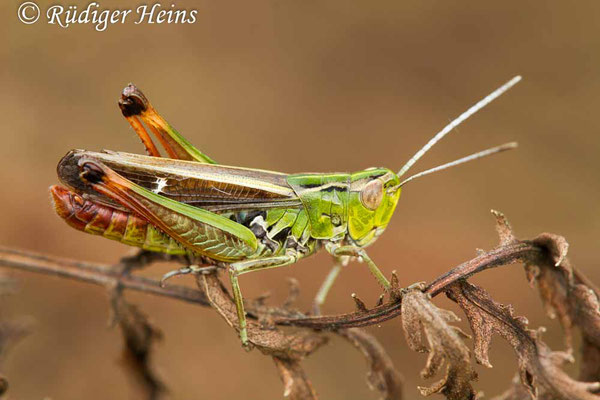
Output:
x=236 y=218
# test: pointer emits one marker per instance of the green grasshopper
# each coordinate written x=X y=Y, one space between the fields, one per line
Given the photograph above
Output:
x=236 y=218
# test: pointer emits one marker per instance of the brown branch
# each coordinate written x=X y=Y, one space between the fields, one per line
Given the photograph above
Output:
x=507 y=254
x=519 y=251
x=99 y=274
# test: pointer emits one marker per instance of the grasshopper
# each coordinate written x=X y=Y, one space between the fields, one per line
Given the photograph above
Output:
x=239 y=219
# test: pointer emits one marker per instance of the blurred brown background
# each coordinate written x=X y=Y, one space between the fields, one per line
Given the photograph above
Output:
x=301 y=86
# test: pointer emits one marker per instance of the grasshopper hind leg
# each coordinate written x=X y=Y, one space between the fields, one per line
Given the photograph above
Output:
x=135 y=106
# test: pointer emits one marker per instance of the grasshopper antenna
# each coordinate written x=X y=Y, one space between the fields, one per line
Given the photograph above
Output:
x=461 y=118
x=481 y=154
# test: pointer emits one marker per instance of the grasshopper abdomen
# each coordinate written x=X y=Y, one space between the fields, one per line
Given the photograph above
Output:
x=112 y=223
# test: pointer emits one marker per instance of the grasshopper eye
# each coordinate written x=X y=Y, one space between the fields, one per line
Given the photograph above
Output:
x=372 y=194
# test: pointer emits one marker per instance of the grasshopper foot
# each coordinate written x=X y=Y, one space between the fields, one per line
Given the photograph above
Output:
x=192 y=269
x=316 y=309
x=247 y=346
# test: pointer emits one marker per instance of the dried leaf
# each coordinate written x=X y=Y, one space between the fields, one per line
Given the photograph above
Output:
x=382 y=375
x=139 y=336
x=590 y=362
x=553 y=288
x=567 y=294
x=503 y=228
x=296 y=385
x=539 y=367
x=558 y=248
x=516 y=391
x=274 y=342
x=445 y=344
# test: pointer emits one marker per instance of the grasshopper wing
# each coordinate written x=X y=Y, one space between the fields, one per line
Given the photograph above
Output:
x=215 y=188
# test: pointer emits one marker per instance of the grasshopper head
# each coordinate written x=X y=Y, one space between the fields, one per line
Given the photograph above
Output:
x=374 y=194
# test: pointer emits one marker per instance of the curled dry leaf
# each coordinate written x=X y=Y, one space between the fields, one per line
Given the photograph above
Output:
x=382 y=375
x=419 y=315
x=570 y=296
x=557 y=248
x=296 y=385
x=553 y=291
x=590 y=362
x=139 y=336
x=539 y=367
x=516 y=392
